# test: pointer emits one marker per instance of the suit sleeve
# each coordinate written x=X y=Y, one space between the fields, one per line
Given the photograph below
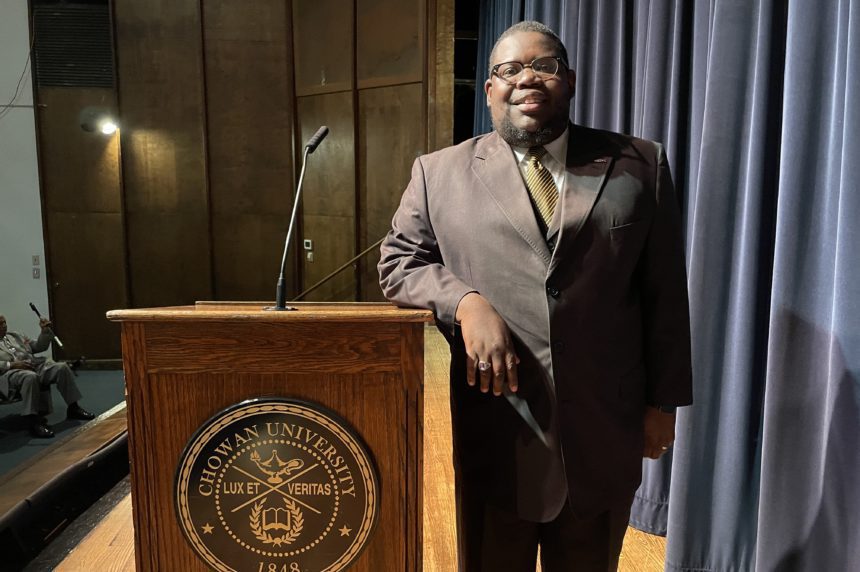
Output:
x=412 y=271
x=43 y=342
x=666 y=313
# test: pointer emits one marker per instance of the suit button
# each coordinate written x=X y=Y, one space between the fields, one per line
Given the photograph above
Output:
x=552 y=291
x=558 y=347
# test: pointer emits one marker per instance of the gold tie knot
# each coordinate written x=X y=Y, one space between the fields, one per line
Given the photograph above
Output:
x=535 y=155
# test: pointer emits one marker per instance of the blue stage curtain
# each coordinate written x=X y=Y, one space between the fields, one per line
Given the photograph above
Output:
x=495 y=17
x=753 y=102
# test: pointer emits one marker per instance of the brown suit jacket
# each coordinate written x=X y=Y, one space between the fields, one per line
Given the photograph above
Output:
x=601 y=324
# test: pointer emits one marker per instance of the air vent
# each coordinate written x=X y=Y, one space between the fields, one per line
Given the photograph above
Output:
x=72 y=45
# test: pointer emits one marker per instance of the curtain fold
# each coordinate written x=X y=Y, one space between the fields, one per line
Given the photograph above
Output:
x=809 y=511
x=753 y=101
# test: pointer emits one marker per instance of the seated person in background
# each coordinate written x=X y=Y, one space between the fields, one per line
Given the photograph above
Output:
x=24 y=375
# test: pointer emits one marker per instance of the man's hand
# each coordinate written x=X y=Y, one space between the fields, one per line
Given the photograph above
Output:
x=659 y=432
x=21 y=365
x=489 y=347
x=44 y=323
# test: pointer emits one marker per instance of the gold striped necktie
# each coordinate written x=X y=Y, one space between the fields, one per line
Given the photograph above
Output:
x=540 y=184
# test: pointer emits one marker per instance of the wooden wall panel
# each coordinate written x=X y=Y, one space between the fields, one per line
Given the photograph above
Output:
x=323 y=40
x=334 y=242
x=209 y=92
x=80 y=170
x=250 y=144
x=390 y=40
x=328 y=198
x=170 y=258
x=440 y=75
x=87 y=279
x=161 y=95
x=393 y=127
x=85 y=258
x=248 y=251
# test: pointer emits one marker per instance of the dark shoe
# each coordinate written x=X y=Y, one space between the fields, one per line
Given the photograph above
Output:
x=75 y=411
x=41 y=430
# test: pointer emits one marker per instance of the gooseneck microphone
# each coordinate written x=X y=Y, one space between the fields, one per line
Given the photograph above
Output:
x=281 y=290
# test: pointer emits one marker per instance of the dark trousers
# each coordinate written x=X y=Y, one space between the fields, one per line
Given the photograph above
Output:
x=492 y=540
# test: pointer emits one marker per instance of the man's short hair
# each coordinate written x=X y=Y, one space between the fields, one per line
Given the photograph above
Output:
x=531 y=26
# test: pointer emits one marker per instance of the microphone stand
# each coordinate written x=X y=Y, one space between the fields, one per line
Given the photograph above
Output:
x=281 y=291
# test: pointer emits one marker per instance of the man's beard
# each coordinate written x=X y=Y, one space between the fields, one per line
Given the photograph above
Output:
x=521 y=138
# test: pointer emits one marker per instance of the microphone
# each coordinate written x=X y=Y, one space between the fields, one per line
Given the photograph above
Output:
x=316 y=139
x=56 y=339
x=281 y=289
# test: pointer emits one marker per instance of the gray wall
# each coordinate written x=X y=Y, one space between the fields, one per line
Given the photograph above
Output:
x=20 y=208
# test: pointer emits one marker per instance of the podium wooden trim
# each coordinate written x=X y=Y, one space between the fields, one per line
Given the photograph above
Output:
x=185 y=364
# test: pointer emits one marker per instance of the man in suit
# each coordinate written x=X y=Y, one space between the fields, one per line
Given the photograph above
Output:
x=552 y=257
x=24 y=375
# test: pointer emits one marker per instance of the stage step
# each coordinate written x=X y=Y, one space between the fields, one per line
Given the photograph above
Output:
x=39 y=497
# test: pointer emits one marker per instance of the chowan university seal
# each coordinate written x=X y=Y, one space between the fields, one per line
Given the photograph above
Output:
x=277 y=485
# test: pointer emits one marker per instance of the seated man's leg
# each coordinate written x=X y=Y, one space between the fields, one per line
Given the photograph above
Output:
x=60 y=374
x=36 y=401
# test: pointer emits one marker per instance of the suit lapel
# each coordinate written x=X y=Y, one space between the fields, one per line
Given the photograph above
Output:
x=588 y=162
x=495 y=166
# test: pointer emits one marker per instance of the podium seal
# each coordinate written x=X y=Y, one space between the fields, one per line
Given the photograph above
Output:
x=277 y=485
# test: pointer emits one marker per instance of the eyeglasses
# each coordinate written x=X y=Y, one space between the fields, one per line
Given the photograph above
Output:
x=545 y=68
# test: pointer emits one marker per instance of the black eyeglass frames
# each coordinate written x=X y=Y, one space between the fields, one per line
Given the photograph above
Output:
x=545 y=67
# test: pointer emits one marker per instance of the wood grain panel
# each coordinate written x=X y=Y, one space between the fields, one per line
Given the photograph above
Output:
x=440 y=531
x=393 y=128
x=307 y=312
x=440 y=75
x=250 y=144
x=87 y=279
x=169 y=258
x=334 y=242
x=79 y=169
x=358 y=399
x=328 y=198
x=323 y=40
x=390 y=42
x=258 y=21
x=161 y=93
x=380 y=393
x=248 y=250
x=412 y=374
x=115 y=533
x=257 y=358
x=85 y=258
x=139 y=448
x=329 y=187
x=306 y=347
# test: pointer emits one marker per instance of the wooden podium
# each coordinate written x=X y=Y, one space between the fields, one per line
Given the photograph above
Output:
x=184 y=365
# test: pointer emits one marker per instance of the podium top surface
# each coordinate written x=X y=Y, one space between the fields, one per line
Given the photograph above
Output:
x=257 y=312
